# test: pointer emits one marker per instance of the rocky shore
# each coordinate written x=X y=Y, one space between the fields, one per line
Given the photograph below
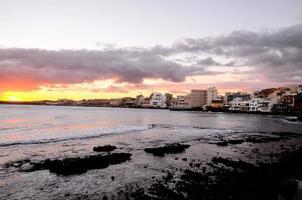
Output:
x=167 y=149
x=218 y=178
x=71 y=166
x=274 y=173
x=225 y=178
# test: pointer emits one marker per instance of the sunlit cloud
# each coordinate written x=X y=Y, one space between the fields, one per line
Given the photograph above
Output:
x=233 y=61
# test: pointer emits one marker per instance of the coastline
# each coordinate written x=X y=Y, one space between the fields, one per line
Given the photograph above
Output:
x=294 y=114
x=267 y=173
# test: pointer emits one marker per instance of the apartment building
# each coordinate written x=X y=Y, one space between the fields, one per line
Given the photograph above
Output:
x=196 y=98
x=212 y=94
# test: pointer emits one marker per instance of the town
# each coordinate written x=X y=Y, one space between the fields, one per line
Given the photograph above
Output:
x=282 y=100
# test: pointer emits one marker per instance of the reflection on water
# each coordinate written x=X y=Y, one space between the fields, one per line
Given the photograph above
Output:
x=25 y=124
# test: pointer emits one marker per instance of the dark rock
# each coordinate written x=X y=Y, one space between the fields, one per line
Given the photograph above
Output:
x=167 y=149
x=168 y=177
x=112 y=178
x=286 y=135
x=106 y=148
x=197 y=165
x=227 y=142
x=17 y=163
x=78 y=165
x=222 y=143
x=274 y=137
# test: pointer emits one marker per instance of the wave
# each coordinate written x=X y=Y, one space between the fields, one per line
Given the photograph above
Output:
x=224 y=130
x=172 y=126
x=8 y=128
x=291 y=120
x=105 y=132
x=136 y=128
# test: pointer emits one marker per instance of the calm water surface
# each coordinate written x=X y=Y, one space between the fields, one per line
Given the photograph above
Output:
x=34 y=124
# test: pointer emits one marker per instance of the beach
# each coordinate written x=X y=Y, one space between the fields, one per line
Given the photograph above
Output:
x=50 y=152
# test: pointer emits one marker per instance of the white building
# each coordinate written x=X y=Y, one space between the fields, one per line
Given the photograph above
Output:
x=265 y=106
x=238 y=105
x=158 y=100
x=261 y=105
x=212 y=94
x=235 y=104
x=254 y=104
x=244 y=106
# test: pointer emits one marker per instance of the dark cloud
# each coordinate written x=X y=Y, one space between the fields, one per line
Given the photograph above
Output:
x=208 y=62
x=275 y=56
x=77 y=66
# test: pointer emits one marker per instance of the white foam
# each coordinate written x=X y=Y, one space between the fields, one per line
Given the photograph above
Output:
x=80 y=134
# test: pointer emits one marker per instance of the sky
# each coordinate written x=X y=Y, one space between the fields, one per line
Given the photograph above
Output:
x=79 y=49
